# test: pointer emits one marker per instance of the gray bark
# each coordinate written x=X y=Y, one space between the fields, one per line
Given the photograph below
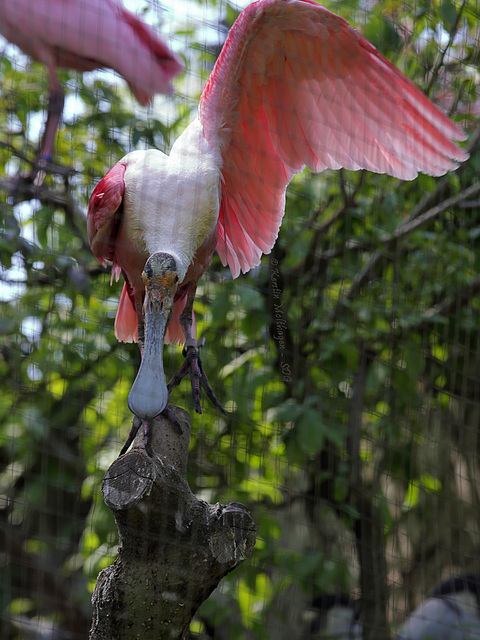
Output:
x=173 y=548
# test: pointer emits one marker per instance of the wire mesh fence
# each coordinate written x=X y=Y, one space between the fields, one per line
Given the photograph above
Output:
x=347 y=361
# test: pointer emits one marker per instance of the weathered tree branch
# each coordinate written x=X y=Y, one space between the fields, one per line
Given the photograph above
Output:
x=21 y=190
x=418 y=217
x=173 y=548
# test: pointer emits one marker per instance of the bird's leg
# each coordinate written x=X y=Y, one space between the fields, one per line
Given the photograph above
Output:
x=56 y=102
x=43 y=159
x=193 y=363
x=147 y=431
x=136 y=424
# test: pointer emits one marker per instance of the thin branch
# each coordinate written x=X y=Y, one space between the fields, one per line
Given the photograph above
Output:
x=42 y=193
x=357 y=402
x=46 y=165
x=388 y=240
x=454 y=302
x=63 y=200
x=369 y=534
x=414 y=220
x=412 y=224
x=441 y=58
x=16 y=152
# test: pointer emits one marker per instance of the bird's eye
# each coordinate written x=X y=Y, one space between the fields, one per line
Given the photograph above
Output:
x=176 y=279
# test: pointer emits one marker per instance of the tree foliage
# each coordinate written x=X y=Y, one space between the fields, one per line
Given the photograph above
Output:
x=347 y=361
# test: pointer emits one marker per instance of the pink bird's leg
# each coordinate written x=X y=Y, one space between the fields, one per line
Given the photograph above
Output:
x=43 y=159
x=193 y=363
x=56 y=102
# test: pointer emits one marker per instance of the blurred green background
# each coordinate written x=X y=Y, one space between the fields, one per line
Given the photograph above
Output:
x=353 y=408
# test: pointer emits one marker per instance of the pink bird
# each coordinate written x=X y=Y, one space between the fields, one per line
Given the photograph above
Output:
x=294 y=86
x=86 y=35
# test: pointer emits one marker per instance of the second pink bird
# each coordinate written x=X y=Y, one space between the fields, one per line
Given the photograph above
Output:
x=86 y=35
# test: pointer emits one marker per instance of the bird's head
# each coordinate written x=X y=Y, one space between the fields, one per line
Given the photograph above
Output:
x=160 y=278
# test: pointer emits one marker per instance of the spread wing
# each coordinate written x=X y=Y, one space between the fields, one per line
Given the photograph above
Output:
x=296 y=86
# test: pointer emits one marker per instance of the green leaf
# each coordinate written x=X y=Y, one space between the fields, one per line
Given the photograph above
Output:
x=448 y=13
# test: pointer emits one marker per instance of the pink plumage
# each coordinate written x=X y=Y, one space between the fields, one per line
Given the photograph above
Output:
x=86 y=35
x=91 y=34
x=294 y=86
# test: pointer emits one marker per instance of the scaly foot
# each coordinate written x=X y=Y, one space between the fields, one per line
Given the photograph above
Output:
x=198 y=377
x=147 y=431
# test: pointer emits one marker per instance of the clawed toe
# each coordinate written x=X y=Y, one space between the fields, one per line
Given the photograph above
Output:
x=195 y=344
x=198 y=377
x=147 y=430
x=136 y=424
x=170 y=415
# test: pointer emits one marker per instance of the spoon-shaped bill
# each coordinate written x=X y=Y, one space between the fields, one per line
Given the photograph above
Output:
x=149 y=395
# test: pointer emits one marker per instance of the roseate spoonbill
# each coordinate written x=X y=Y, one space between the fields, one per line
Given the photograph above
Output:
x=86 y=35
x=451 y=612
x=294 y=85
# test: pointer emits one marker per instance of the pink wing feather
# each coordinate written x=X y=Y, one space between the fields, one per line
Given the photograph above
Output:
x=296 y=86
x=102 y=216
x=102 y=226
x=90 y=34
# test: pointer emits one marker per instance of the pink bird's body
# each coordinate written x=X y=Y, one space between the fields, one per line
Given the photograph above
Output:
x=294 y=86
x=86 y=35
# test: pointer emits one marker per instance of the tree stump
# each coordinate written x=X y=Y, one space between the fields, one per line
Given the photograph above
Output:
x=173 y=548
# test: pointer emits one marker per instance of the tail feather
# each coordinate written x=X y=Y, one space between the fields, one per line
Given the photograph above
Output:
x=126 y=324
x=174 y=333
